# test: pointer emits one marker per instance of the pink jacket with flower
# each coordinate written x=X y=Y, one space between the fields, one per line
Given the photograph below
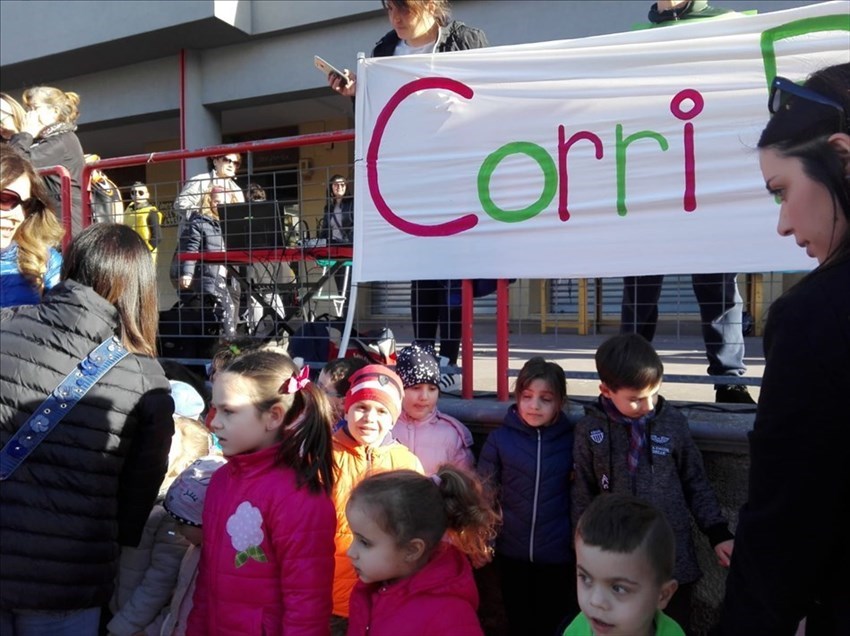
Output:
x=437 y=439
x=268 y=555
x=439 y=600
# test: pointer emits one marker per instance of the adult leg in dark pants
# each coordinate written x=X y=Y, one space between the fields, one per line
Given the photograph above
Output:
x=639 y=311
x=426 y=298
x=537 y=596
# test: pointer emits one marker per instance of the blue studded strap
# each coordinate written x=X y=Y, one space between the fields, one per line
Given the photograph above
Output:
x=61 y=400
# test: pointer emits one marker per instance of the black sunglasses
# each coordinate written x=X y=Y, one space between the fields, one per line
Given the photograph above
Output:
x=140 y=193
x=9 y=200
x=782 y=89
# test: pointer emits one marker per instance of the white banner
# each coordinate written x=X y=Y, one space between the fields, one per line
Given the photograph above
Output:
x=630 y=153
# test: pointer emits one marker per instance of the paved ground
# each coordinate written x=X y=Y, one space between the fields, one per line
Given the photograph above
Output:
x=683 y=355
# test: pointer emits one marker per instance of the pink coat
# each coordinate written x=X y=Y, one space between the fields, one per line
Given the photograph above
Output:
x=268 y=555
x=439 y=600
x=437 y=439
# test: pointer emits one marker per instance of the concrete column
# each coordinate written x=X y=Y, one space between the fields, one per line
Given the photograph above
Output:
x=203 y=126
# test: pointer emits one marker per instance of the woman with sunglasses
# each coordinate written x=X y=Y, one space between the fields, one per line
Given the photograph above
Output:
x=48 y=139
x=222 y=175
x=792 y=554
x=29 y=233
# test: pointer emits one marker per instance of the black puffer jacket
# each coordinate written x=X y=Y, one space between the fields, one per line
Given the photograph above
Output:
x=201 y=234
x=90 y=485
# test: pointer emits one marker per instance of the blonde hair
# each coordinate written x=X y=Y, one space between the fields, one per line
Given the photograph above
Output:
x=207 y=208
x=40 y=229
x=18 y=113
x=67 y=104
x=191 y=441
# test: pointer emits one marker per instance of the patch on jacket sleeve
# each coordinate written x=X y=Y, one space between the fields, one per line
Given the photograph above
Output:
x=660 y=439
x=597 y=435
x=245 y=527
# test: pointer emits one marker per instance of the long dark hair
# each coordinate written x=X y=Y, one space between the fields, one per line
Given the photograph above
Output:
x=306 y=430
x=802 y=128
x=115 y=262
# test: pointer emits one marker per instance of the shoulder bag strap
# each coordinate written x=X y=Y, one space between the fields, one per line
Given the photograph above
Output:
x=61 y=400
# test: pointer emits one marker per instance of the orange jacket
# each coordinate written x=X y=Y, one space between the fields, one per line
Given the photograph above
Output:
x=354 y=463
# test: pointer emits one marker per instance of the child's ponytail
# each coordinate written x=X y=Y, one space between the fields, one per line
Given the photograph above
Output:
x=470 y=512
x=306 y=444
x=306 y=430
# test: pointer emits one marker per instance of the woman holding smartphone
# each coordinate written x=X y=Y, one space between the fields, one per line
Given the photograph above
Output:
x=425 y=27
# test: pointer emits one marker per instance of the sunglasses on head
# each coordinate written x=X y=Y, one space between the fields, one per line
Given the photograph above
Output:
x=782 y=90
x=9 y=200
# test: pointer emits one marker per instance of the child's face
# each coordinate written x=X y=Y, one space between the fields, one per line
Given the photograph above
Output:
x=193 y=534
x=632 y=403
x=619 y=593
x=538 y=405
x=374 y=553
x=369 y=422
x=420 y=400
x=239 y=426
x=337 y=401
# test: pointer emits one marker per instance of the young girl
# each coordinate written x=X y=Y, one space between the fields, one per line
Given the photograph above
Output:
x=267 y=563
x=433 y=437
x=147 y=573
x=530 y=460
x=411 y=581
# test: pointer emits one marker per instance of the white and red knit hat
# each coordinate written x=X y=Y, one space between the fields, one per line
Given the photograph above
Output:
x=378 y=383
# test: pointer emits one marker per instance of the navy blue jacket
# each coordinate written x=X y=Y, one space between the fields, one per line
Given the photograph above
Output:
x=532 y=468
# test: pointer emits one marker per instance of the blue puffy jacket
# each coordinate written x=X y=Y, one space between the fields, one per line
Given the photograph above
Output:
x=532 y=469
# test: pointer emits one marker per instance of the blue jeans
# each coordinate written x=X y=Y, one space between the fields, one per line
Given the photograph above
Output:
x=721 y=311
x=84 y=622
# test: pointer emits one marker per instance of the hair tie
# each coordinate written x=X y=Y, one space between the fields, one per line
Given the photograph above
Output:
x=296 y=382
x=234 y=350
x=436 y=479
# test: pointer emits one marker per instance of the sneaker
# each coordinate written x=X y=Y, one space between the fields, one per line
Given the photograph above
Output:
x=733 y=394
x=450 y=383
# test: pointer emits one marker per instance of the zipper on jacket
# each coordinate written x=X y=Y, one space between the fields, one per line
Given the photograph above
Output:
x=536 y=495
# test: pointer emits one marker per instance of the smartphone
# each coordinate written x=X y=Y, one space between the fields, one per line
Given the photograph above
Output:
x=327 y=68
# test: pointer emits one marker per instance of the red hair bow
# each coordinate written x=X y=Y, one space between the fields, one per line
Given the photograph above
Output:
x=296 y=382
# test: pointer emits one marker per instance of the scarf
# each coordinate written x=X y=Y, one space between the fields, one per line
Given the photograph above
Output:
x=636 y=428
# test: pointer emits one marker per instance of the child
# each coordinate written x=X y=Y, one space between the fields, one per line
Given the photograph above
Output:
x=363 y=444
x=411 y=581
x=185 y=503
x=433 y=437
x=633 y=441
x=334 y=381
x=529 y=459
x=267 y=562
x=147 y=573
x=625 y=552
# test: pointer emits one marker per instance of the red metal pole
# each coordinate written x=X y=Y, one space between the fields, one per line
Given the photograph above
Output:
x=182 y=63
x=502 y=345
x=65 y=195
x=467 y=307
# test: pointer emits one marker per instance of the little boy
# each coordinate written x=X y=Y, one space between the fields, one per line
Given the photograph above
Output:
x=363 y=445
x=625 y=552
x=185 y=502
x=334 y=381
x=632 y=441
x=433 y=437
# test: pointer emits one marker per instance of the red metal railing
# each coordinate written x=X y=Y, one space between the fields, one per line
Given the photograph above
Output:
x=65 y=195
x=312 y=140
